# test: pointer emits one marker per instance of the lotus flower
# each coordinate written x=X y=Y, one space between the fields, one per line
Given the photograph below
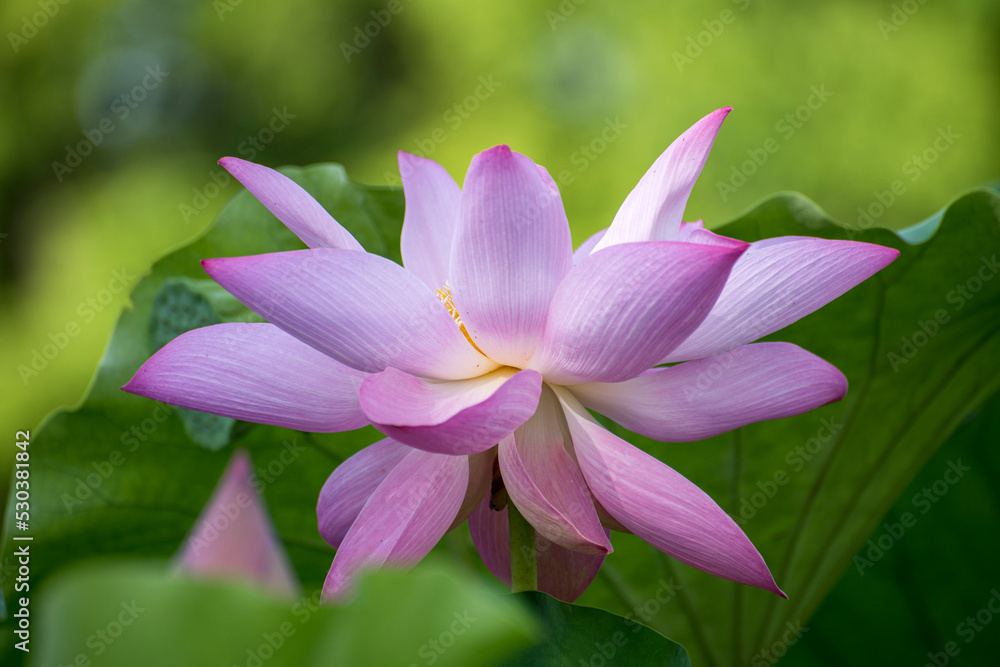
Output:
x=480 y=359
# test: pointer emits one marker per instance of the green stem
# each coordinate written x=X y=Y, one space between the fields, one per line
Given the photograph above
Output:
x=523 y=563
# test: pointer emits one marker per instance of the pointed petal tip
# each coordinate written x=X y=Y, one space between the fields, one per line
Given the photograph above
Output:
x=497 y=152
x=234 y=165
x=715 y=118
x=873 y=255
x=890 y=254
x=138 y=385
x=768 y=584
x=410 y=158
x=240 y=465
x=214 y=266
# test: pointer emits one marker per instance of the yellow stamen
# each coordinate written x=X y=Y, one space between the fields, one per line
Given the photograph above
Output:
x=445 y=295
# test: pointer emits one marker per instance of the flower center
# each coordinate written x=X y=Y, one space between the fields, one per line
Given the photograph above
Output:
x=444 y=294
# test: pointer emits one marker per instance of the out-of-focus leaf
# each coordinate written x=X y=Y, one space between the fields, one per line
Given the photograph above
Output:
x=920 y=345
x=576 y=635
x=123 y=615
x=914 y=588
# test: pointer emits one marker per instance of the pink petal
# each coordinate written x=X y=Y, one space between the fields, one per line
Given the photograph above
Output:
x=234 y=537
x=653 y=210
x=480 y=481
x=695 y=232
x=562 y=573
x=361 y=309
x=351 y=485
x=254 y=372
x=621 y=310
x=432 y=199
x=776 y=282
x=660 y=505
x=702 y=398
x=545 y=484
x=588 y=246
x=292 y=205
x=460 y=417
x=511 y=249
x=406 y=516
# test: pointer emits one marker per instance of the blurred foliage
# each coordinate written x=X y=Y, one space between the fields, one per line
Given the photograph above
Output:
x=129 y=613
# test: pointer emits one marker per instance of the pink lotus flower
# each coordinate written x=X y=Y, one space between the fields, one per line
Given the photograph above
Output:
x=479 y=361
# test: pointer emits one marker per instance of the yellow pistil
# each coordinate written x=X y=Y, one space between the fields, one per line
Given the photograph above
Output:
x=445 y=295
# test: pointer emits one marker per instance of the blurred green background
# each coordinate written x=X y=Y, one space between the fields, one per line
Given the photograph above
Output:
x=114 y=114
